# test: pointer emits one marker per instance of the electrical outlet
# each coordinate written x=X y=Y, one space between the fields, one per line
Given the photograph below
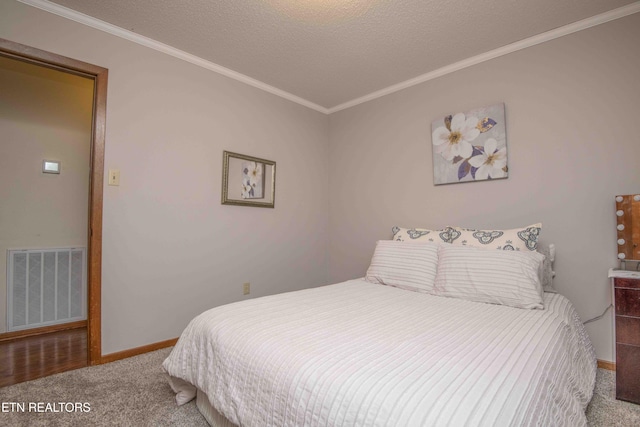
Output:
x=246 y=288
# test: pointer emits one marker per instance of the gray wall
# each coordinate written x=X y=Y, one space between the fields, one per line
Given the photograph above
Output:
x=170 y=249
x=571 y=118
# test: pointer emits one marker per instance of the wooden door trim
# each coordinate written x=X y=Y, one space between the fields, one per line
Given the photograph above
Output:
x=94 y=253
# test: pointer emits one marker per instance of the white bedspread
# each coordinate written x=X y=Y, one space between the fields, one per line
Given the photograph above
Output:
x=359 y=354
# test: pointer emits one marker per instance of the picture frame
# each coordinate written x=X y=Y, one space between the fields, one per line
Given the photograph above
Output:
x=470 y=146
x=248 y=180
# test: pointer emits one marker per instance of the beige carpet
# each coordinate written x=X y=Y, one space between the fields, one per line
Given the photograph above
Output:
x=604 y=410
x=135 y=392
x=130 y=392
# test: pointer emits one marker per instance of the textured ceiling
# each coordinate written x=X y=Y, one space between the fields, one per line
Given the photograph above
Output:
x=330 y=52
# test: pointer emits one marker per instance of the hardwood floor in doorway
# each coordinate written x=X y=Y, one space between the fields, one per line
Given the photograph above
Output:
x=28 y=358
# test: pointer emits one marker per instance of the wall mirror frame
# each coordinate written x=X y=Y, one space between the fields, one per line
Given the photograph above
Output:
x=248 y=180
x=628 y=228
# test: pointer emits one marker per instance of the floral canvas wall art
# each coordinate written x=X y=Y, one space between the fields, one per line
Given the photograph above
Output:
x=252 y=181
x=470 y=146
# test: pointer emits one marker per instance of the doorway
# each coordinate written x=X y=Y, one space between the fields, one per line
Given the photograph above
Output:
x=98 y=76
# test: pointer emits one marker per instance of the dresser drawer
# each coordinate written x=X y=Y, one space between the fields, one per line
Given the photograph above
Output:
x=623 y=282
x=628 y=302
x=628 y=330
x=628 y=373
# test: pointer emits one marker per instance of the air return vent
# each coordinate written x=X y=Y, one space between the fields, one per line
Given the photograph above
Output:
x=45 y=287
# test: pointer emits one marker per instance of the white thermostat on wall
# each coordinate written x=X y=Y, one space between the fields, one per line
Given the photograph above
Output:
x=50 y=166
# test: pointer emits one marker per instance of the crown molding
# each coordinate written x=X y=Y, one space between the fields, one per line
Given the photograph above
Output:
x=505 y=50
x=177 y=53
x=92 y=22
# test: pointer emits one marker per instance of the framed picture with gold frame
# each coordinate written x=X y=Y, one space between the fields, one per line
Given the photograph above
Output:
x=248 y=180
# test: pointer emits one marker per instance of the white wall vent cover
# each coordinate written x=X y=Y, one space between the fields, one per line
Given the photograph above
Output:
x=46 y=287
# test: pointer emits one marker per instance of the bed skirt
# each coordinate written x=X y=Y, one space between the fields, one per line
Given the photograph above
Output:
x=213 y=417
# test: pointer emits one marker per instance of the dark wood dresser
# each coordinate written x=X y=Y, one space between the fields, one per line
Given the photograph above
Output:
x=627 y=325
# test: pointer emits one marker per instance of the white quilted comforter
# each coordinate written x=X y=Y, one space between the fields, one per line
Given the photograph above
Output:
x=359 y=354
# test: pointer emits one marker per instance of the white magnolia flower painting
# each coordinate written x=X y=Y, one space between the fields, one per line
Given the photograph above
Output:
x=252 y=180
x=470 y=146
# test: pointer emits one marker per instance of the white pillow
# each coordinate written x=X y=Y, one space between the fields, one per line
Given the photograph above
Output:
x=497 y=277
x=410 y=266
x=516 y=239
x=420 y=234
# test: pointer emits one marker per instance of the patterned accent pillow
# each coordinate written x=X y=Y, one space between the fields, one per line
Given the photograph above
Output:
x=420 y=235
x=516 y=239
x=496 y=277
x=410 y=266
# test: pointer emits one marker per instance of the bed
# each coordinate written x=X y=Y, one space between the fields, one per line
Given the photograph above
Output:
x=366 y=353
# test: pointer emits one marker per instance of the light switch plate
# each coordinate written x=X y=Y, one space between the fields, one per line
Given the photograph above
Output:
x=114 y=176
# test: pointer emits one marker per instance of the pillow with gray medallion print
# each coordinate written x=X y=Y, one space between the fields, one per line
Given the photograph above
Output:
x=516 y=239
x=420 y=235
